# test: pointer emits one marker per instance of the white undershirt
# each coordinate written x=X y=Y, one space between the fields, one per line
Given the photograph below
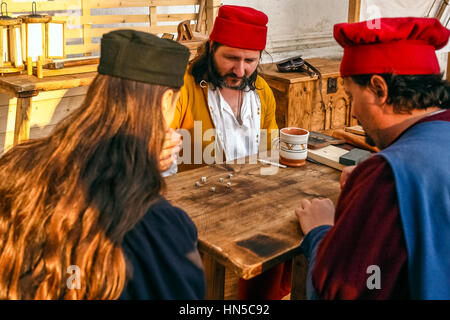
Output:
x=230 y=136
x=234 y=139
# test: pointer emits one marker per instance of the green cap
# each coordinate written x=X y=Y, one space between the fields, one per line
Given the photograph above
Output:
x=144 y=57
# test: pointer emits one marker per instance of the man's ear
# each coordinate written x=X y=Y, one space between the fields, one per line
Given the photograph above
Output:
x=379 y=86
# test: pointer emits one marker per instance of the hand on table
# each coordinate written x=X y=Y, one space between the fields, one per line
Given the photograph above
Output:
x=171 y=146
x=315 y=213
x=345 y=174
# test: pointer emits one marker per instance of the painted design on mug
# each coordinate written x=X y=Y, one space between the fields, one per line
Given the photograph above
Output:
x=293 y=148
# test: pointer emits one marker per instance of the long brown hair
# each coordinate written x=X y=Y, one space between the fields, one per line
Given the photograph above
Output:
x=69 y=199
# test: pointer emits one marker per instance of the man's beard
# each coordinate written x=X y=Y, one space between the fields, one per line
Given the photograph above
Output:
x=224 y=84
x=220 y=81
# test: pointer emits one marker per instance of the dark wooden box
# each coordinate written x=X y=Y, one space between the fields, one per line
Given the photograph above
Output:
x=298 y=99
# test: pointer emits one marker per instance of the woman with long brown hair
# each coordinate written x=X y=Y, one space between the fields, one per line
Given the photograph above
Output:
x=81 y=211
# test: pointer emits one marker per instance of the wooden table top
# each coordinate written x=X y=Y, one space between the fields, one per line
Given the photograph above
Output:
x=251 y=226
x=16 y=84
x=327 y=67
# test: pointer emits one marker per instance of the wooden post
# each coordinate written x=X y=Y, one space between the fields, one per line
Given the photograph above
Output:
x=23 y=117
x=86 y=13
x=438 y=16
x=39 y=71
x=212 y=9
x=13 y=45
x=299 y=273
x=354 y=10
x=231 y=287
x=441 y=9
x=29 y=66
x=215 y=278
x=448 y=67
x=2 y=45
x=153 y=17
x=201 y=9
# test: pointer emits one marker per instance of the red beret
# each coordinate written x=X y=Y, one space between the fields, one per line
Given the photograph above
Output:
x=240 y=27
x=391 y=45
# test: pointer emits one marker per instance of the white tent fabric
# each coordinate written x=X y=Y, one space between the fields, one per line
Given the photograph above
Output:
x=372 y=9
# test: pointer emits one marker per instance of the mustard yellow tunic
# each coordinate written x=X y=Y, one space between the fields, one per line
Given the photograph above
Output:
x=193 y=106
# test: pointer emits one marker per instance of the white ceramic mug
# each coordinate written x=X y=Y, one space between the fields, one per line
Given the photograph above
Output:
x=293 y=146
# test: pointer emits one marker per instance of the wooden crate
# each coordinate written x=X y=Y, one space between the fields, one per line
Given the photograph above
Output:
x=90 y=19
x=298 y=98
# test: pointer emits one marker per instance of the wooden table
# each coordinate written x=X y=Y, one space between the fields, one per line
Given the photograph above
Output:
x=298 y=97
x=25 y=87
x=250 y=227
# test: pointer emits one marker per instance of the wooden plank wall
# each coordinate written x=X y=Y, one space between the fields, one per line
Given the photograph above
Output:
x=88 y=21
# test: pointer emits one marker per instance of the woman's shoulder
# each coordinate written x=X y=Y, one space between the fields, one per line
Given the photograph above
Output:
x=159 y=248
x=164 y=218
x=163 y=207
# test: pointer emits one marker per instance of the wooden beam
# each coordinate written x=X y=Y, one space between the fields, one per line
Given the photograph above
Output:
x=200 y=15
x=212 y=9
x=448 y=67
x=97 y=4
x=108 y=19
x=299 y=274
x=354 y=10
x=215 y=278
x=153 y=17
x=172 y=2
x=441 y=9
x=69 y=70
x=86 y=11
x=23 y=117
x=16 y=6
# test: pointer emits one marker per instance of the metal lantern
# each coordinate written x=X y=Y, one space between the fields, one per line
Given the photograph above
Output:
x=10 y=42
x=35 y=35
x=55 y=31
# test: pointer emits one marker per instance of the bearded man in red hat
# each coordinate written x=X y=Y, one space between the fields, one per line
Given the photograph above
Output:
x=388 y=236
x=224 y=95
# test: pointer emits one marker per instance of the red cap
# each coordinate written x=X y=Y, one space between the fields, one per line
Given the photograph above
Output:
x=240 y=27
x=391 y=45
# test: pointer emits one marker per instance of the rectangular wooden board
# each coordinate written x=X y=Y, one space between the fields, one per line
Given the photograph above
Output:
x=66 y=71
x=328 y=155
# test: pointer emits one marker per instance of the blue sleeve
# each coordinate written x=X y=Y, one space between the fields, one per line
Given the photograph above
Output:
x=309 y=246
